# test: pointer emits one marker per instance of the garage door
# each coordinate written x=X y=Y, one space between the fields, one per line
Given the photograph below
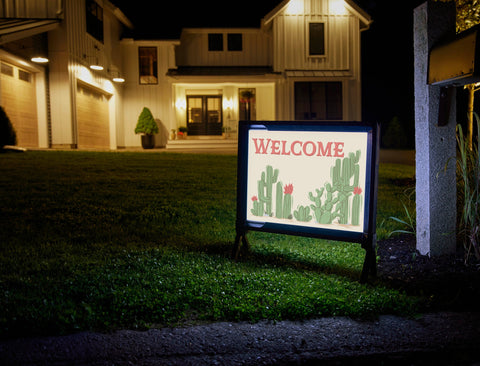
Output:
x=92 y=118
x=19 y=102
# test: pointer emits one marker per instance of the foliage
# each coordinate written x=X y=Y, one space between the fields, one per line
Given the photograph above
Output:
x=146 y=123
x=468 y=171
x=468 y=13
x=100 y=241
x=394 y=136
x=8 y=135
x=409 y=219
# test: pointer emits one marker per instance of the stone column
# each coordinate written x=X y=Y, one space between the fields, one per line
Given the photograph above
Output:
x=434 y=144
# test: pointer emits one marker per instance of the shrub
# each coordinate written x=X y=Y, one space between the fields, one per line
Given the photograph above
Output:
x=468 y=191
x=394 y=136
x=146 y=123
x=7 y=132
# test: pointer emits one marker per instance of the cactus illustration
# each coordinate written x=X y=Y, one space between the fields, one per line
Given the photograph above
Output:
x=257 y=209
x=265 y=189
x=342 y=173
x=287 y=201
x=323 y=213
x=279 y=201
x=356 y=205
x=303 y=214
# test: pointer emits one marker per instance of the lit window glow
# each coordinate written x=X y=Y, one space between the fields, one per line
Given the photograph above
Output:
x=294 y=7
x=337 y=7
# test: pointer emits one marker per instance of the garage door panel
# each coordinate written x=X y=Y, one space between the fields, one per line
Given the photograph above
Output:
x=92 y=119
x=19 y=102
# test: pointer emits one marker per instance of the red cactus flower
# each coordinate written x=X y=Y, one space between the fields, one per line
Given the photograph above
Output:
x=254 y=198
x=288 y=189
x=357 y=190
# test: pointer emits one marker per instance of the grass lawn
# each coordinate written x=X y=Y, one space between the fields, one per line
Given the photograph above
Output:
x=100 y=241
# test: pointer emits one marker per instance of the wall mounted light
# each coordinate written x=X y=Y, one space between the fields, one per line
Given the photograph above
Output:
x=39 y=59
x=96 y=65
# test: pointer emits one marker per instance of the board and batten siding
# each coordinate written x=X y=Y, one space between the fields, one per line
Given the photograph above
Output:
x=157 y=97
x=193 y=48
x=71 y=51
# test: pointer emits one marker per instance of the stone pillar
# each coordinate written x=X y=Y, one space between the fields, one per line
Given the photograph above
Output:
x=434 y=144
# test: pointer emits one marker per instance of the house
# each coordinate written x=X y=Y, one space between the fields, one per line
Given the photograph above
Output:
x=302 y=63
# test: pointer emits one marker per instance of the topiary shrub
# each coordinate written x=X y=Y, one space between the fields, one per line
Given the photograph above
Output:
x=146 y=123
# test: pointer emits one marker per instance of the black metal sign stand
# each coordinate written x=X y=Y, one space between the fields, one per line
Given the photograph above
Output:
x=367 y=239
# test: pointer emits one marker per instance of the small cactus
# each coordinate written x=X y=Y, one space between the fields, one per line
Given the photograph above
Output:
x=303 y=214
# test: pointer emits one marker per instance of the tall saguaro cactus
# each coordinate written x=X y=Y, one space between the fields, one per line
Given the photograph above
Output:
x=343 y=172
x=265 y=188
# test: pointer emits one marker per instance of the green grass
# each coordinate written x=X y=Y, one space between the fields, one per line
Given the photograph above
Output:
x=101 y=241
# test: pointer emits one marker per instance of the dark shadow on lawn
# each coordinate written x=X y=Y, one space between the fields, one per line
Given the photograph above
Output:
x=224 y=249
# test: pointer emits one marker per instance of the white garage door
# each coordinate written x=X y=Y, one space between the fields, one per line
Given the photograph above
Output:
x=92 y=118
x=19 y=102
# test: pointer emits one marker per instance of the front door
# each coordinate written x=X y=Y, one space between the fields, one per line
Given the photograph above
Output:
x=204 y=116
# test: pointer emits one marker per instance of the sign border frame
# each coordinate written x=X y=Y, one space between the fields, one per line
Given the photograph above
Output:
x=367 y=238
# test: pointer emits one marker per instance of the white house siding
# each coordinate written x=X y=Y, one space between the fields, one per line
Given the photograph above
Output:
x=71 y=51
x=341 y=62
x=193 y=48
x=156 y=97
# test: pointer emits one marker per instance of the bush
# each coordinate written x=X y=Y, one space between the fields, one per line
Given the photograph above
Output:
x=146 y=123
x=468 y=192
x=7 y=132
x=394 y=136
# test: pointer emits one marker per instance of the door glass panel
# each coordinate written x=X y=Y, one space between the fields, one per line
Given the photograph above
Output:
x=195 y=110
x=213 y=110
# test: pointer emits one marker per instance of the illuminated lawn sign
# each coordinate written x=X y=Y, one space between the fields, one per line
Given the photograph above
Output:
x=309 y=179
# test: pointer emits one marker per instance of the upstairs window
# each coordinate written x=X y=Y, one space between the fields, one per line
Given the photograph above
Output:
x=316 y=40
x=235 y=42
x=215 y=42
x=94 y=16
x=147 y=65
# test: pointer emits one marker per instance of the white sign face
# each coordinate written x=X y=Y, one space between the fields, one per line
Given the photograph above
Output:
x=312 y=179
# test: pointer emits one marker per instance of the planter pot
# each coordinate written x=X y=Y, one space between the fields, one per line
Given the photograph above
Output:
x=148 y=141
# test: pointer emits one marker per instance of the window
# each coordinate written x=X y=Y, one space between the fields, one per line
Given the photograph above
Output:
x=7 y=69
x=215 y=42
x=94 y=15
x=24 y=75
x=235 y=42
x=316 y=45
x=147 y=65
x=318 y=101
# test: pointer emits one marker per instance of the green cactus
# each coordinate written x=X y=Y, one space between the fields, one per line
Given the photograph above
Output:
x=323 y=213
x=356 y=206
x=303 y=214
x=279 y=201
x=257 y=209
x=287 y=206
x=342 y=174
x=265 y=189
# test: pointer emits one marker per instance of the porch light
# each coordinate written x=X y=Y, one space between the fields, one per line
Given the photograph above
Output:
x=39 y=59
x=96 y=67
x=116 y=77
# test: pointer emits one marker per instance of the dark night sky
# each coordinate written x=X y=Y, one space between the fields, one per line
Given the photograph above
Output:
x=387 y=47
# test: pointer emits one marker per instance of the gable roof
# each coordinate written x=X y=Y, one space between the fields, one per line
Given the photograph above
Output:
x=365 y=19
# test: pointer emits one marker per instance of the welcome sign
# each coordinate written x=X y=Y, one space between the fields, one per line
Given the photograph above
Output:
x=308 y=178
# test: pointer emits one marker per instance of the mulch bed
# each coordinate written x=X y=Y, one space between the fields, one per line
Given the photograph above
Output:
x=446 y=282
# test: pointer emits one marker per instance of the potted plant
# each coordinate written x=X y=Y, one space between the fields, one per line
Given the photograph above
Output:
x=182 y=132
x=148 y=127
